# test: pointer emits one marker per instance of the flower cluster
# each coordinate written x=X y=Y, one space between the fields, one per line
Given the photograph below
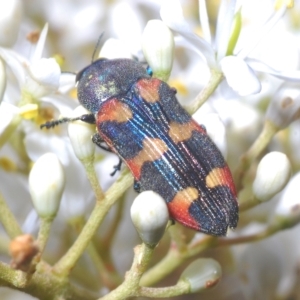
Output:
x=66 y=223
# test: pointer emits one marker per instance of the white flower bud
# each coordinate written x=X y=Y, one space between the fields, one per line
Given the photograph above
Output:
x=2 y=78
x=46 y=185
x=80 y=134
x=285 y=107
x=10 y=20
x=273 y=173
x=202 y=274
x=149 y=214
x=158 y=48
x=289 y=204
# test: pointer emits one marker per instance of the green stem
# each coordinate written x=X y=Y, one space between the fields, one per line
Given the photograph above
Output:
x=93 y=179
x=130 y=286
x=44 y=232
x=166 y=266
x=174 y=258
x=215 y=79
x=67 y=262
x=263 y=140
x=249 y=203
x=108 y=277
x=42 y=285
x=270 y=230
x=113 y=226
x=181 y=288
x=8 y=220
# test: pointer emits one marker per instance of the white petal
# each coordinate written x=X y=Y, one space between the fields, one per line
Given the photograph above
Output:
x=291 y=75
x=44 y=77
x=37 y=54
x=240 y=77
x=257 y=37
x=204 y=20
x=171 y=14
x=114 y=48
x=224 y=24
x=126 y=23
x=2 y=79
x=10 y=20
x=15 y=62
x=7 y=112
x=66 y=82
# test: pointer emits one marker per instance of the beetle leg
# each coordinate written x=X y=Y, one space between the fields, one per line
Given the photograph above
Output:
x=117 y=167
x=96 y=139
x=101 y=143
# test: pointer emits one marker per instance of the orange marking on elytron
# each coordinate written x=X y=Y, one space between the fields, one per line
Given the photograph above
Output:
x=181 y=132
x=179 y=206
x=149 y=89
x=153 y=149
x=115 y=111
x=220 y=176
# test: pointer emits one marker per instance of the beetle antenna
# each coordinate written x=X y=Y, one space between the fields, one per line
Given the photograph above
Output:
x=87 y=118
x=97 y=46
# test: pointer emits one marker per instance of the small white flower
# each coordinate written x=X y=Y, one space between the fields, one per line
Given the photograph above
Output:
x=238 y=68
x=46 y=185
x=149 y=214
x=158 y=48
x=273 y=173
x=80 y=134
x=36 y=76
x=202 y=274
x=10 y=21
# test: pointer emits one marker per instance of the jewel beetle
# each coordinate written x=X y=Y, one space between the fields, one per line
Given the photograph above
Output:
x=139 y=118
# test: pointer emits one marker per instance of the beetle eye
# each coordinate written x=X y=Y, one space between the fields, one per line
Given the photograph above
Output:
x=149 y=71
x=79 y=74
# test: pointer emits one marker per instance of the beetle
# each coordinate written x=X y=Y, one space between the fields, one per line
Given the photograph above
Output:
x=140 y=119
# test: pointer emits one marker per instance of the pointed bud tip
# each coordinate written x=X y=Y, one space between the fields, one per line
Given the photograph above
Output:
x=149 y=214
